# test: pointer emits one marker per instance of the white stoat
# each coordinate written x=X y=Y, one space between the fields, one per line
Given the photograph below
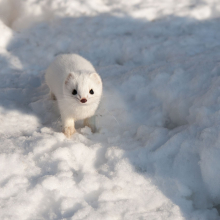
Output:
x=74 y=83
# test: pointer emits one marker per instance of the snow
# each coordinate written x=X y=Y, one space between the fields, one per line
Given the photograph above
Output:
x=156 y=154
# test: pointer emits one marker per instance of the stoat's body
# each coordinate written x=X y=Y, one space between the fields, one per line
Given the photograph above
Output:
x=73 y=81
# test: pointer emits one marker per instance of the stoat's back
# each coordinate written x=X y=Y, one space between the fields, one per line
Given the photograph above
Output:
x=73 y=63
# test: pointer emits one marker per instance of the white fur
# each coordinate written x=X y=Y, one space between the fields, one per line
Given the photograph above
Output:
x=66 y=73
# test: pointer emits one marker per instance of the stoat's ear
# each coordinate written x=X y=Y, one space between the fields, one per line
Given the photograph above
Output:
x=96 y=77
x=69 y=77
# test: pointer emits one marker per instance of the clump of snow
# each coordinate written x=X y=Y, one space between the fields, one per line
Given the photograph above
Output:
x=156 y=152
x=5 y=35
x=20 y=14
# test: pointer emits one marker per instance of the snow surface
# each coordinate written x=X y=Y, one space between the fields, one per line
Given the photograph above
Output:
x=157 y=152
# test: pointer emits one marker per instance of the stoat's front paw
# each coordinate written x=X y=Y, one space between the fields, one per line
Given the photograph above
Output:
x=90 y=122
x=69 y=131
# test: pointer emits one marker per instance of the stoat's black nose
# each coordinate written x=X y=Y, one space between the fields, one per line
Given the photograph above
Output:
x=83 y=100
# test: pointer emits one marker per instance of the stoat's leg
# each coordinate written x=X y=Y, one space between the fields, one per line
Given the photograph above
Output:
x=90 y=122
x=52 y=96
x=68 y=126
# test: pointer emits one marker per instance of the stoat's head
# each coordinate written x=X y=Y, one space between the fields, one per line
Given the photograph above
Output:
x=83 y=89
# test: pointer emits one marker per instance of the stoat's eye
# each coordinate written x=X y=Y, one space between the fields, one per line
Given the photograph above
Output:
x=74 y=92
x=91 y=91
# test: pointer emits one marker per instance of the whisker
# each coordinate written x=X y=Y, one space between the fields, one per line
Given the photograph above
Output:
x=115 y=119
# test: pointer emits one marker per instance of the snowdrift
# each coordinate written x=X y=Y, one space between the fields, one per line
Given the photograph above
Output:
x=156 y=155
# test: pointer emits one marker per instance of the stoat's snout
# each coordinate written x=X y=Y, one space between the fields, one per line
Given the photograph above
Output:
x=83 y=100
